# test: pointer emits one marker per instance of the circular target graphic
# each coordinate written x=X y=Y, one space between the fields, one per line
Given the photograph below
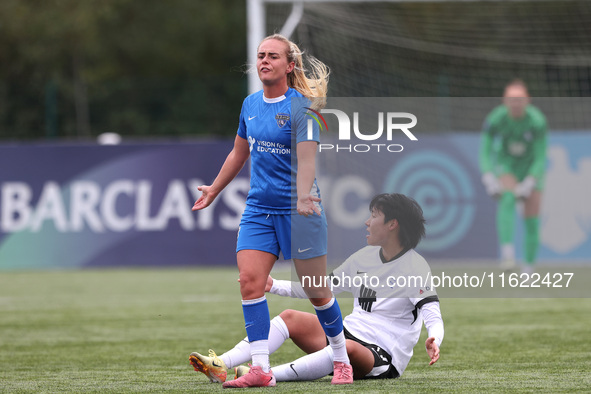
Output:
x=443 y=189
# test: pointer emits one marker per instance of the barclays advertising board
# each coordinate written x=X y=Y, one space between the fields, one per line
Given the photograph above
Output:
x=70 y=206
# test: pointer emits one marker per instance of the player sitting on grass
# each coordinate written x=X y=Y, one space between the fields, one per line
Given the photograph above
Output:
x=386 y=321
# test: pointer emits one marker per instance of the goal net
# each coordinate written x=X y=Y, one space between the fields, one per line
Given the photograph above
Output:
x=444 y=48
x=446 y=62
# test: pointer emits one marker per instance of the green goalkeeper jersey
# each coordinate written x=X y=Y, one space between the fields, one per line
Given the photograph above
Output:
x=515 y=146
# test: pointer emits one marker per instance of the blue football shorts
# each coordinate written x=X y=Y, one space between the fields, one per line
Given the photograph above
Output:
x=295 y=236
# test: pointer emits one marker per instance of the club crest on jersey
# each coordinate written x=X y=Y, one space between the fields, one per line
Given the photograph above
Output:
x=281 y=119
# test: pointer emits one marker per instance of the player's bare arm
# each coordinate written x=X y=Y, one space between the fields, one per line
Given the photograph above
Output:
x=231 y=167
x=305 y=179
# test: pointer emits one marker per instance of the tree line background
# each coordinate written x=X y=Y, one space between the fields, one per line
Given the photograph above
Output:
x=73 y=69
x=78 y=68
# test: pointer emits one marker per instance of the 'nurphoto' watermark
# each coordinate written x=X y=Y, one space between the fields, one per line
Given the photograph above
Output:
x=387 y=122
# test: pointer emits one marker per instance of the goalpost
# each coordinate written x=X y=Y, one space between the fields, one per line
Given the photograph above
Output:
x=402 y=48
x=257 y=30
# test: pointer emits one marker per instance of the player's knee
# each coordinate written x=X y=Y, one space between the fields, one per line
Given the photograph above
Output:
x=250 y=288
x=288 y=316
x=249 y=278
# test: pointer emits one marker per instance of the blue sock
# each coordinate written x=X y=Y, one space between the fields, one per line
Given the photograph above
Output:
x=330 y=318
x=256 y=318
x=257 y=323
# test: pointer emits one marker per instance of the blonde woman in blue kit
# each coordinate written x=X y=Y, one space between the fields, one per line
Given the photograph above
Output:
x=265 y=135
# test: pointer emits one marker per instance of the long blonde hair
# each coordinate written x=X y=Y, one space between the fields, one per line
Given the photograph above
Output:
x=314 y=87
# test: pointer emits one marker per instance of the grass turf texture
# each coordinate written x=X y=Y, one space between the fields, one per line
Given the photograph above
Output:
x=132 y=331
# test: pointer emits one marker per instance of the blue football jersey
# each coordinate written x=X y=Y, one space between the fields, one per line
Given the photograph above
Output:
x=273 y=132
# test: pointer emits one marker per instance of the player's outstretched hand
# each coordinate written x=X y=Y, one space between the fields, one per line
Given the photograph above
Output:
x=306 y=205
x=269 y=284
x=432 y=350
x=205 y=200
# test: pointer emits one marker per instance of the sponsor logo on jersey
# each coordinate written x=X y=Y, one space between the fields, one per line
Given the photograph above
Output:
x=270 y=147
x=367 y=297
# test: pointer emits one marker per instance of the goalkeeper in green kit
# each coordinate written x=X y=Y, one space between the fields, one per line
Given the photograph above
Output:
x=513 y=162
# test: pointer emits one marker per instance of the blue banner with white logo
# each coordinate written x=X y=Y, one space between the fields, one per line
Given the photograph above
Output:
x=442 y=174
x=70 y=206
x=129 y=205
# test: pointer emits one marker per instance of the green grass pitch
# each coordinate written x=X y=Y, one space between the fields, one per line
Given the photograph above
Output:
x=125 y=331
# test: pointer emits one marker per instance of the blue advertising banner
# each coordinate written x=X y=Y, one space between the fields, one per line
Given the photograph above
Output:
x=70 y=206
x=442 y=174
x=129 y=205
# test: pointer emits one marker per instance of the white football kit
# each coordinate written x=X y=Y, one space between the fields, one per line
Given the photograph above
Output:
x=391 y=300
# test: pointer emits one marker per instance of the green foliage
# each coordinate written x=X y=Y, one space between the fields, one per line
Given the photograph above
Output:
x=141 y=67
x=123 y=331
x=175 y=68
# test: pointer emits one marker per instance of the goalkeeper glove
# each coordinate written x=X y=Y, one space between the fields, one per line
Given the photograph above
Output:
x=525 y=187
x=491 y=184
